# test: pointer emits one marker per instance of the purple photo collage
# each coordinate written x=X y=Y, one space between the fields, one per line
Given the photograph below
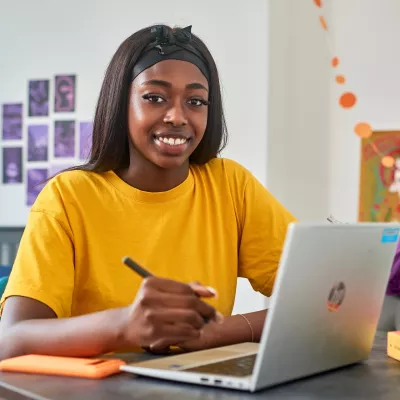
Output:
x=54 y=141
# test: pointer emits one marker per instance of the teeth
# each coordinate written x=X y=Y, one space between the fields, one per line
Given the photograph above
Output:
x=171 y=141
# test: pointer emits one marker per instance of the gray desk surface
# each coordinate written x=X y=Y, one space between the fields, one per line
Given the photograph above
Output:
x=377 y=378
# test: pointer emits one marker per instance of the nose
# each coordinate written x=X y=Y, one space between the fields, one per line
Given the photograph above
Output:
x=176 y=115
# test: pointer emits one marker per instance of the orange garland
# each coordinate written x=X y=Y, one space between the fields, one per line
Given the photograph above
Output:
x=348 y=100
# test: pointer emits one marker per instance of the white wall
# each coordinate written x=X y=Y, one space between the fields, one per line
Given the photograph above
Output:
x=299 y=118
x=42 y=38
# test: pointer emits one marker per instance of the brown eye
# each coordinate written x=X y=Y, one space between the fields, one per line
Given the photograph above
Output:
x=153 y=98
x=198 y=102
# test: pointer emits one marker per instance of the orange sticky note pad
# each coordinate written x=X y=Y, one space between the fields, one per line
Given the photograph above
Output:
x=393 y=345
x=95 y=368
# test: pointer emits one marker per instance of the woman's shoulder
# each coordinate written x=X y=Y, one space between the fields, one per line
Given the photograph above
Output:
x=67 y=186
x=78 y=177
x=72 y=180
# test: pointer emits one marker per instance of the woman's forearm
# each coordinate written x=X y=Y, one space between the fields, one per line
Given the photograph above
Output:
x=84 y=336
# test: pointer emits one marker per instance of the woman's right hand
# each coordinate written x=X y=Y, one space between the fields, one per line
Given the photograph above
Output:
x=167 y=312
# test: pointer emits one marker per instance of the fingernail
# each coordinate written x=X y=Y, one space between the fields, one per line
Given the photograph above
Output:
x=212 y=290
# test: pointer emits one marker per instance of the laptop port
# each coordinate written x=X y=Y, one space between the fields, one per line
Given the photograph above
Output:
x=218 y=381
x=204 y=379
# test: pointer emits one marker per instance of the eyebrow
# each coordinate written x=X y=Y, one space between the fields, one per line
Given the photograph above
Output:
x=158 y=82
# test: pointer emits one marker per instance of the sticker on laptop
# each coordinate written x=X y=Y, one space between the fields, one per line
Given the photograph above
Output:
x=390 y=235
x=336 y=296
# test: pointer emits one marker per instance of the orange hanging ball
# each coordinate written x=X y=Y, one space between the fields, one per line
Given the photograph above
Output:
x=335 y=62
x=318 y=3
x=347 y=100
x=363 y=130
x=340 y=79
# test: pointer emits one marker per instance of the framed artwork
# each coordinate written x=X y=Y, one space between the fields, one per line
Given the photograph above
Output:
x=38 y=142
x=12 y=121
x=64 y=139
x=64 y=93
x=379 y=195
x=38 y=98
x=12 y=165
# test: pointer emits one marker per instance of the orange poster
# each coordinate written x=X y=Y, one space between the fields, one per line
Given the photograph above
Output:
x=379 y=199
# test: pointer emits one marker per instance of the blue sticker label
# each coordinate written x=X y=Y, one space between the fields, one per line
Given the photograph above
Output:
x=390 y=235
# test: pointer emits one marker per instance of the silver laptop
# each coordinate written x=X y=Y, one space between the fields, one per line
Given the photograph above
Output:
x=324 y=312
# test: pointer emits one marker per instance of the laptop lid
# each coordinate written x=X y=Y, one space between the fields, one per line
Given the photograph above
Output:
x=327 y=299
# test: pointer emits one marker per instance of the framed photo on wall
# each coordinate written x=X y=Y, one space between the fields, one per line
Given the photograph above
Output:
x=64 y=139
x=12 y=165
x=65 y=93
x=38 y=96
x=12 y=121
x=379 y=194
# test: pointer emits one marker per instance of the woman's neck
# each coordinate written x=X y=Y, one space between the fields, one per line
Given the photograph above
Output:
x=150 y=178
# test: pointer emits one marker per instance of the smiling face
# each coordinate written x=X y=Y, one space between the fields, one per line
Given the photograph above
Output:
x=167 y=116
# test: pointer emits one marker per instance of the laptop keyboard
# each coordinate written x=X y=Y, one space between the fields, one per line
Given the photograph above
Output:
x=241 y=366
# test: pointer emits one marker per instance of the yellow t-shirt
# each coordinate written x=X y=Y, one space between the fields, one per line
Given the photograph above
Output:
x=220 y=223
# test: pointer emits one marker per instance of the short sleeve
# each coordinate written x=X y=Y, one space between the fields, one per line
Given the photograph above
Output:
x=263 y=230
x=44 y=266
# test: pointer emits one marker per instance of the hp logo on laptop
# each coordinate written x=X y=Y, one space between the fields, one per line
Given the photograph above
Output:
x=336 y=296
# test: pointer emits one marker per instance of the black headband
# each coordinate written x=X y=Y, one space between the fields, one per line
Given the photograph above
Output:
x=168 y=45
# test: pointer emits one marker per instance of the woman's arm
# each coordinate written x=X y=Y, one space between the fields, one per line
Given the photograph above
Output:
x=164 y=312
x=29 y=326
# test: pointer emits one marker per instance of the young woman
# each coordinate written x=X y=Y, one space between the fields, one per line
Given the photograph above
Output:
x=155 y=190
